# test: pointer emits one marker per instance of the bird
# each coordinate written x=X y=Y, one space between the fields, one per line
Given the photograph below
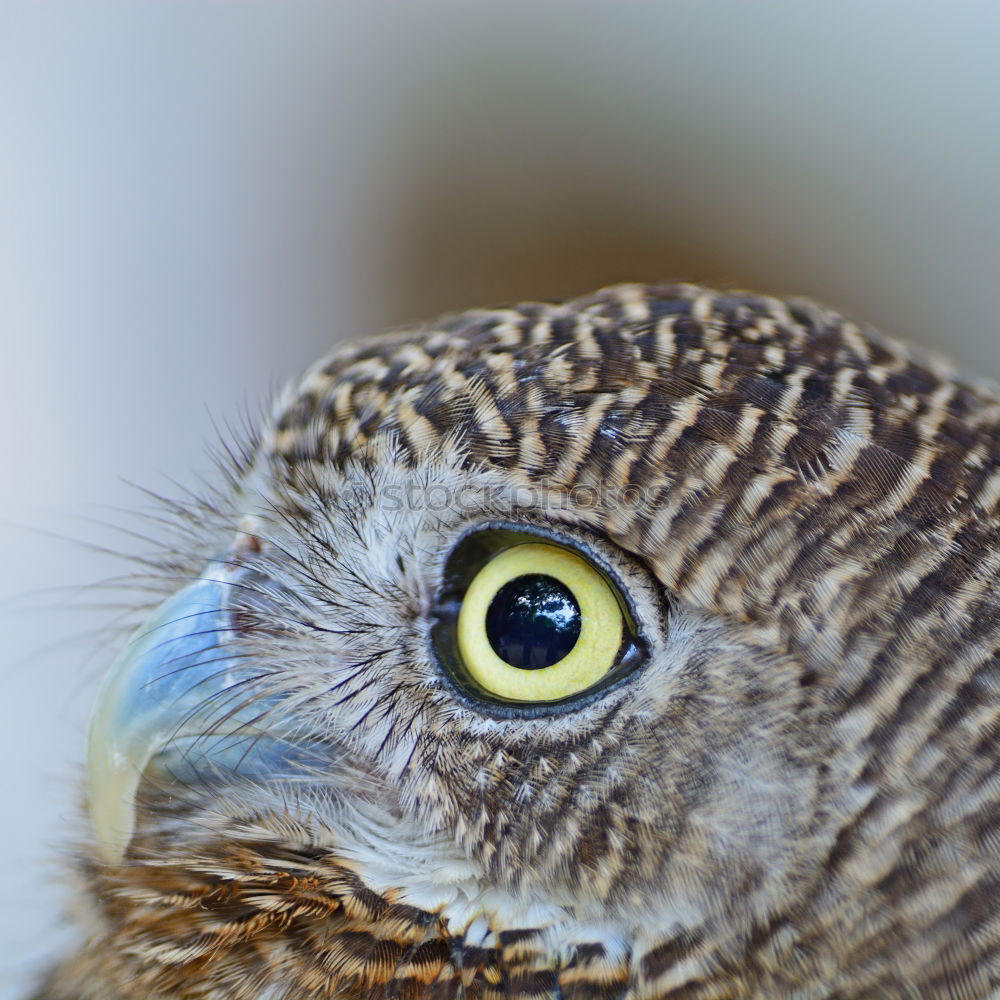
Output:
x=641 y=645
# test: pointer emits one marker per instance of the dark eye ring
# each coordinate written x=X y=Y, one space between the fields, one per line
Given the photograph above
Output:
x=525 y=620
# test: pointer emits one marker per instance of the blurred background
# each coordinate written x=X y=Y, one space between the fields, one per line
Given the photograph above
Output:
x=197 y=198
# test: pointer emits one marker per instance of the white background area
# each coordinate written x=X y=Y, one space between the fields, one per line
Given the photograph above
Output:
x=197 y=198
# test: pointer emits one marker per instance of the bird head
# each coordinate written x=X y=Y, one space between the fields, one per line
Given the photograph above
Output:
x=552 y=649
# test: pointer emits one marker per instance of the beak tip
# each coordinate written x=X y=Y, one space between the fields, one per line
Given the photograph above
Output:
x=111 y=803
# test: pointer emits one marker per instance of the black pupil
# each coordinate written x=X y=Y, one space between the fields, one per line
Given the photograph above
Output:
x=533 y=621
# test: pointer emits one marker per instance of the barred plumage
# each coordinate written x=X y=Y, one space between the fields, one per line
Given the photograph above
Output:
x=797 y=795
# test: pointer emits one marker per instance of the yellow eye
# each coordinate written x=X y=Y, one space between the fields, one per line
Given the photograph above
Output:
x=538 y=623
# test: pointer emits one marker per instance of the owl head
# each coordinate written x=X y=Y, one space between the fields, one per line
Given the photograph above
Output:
x=629 y=644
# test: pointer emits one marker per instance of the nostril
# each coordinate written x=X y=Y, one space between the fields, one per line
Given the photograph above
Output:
x=248 y=543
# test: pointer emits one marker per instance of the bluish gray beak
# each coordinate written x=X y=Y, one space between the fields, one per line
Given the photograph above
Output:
x=181 y=699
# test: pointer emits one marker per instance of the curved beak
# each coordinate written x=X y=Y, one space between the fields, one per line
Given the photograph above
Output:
x=181 y=699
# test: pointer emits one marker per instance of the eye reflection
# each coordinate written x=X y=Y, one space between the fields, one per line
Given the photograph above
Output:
x=533 y=621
